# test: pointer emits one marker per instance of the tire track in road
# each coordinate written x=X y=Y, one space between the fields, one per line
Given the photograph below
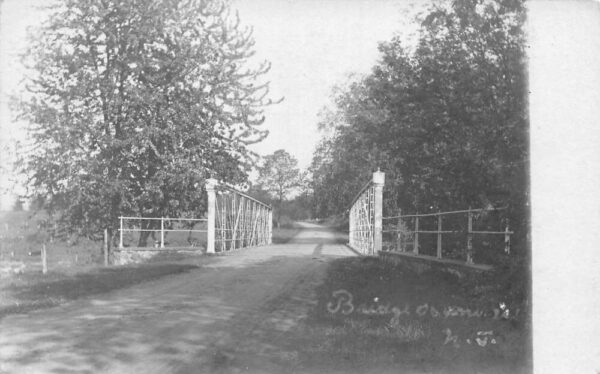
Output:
x=257 y=336
x=235 y=314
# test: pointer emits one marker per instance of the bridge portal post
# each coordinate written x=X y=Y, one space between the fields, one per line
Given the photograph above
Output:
x=210 y=227
x=378 y=182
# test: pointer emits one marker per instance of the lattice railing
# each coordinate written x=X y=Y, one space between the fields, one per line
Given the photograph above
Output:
x=233 y=220
x=471 y=235
x=240 y=220
x=236 y=220
x=365 y=217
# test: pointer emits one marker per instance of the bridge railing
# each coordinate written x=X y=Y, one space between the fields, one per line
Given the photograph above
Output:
x=233 y=220
x=460 y=228
x=456 y=235
x=236 y=220
x=184 y=232
x=365 y=217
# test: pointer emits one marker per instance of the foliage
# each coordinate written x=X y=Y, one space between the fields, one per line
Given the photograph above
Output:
x=283 y=185
x=447 y=122
x=297 y=208
x=133 y=104
x=278 y=175
x=18 y=204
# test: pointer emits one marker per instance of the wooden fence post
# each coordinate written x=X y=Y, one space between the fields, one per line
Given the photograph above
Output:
x=121 y=233
x=470 y=238
x=44 y=259
x=211 y=200
x=439 y=236
x=378 y=182
x=105 y=247
x=416 y=242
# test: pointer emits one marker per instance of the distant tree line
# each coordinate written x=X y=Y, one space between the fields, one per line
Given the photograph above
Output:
x=446 y=121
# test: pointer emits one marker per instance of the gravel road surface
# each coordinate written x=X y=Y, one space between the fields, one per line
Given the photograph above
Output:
x=232 y=315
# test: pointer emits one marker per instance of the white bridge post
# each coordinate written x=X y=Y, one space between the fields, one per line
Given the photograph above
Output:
x=378 y=182
x=210 y=190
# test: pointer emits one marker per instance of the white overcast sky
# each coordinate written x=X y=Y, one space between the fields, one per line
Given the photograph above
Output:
x=312 y=46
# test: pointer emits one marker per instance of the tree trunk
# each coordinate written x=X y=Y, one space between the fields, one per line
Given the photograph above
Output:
x=144 y=235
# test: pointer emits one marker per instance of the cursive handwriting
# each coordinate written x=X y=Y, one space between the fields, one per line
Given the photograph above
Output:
x=343 y=303
x=482 y=338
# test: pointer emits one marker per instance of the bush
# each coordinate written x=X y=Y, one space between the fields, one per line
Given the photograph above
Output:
x=285 y=222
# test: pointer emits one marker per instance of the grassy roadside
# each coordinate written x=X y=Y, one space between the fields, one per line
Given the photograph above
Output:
x=372 y=317
x=26 y=292
x=29 y=291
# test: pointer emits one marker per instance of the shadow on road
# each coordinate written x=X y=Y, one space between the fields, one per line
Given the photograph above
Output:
x=208 y=321
x=232 y=313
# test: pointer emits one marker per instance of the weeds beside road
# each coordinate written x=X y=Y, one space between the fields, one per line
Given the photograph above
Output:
x=23 y=293
x=287 y=306
x=28 y=291
x=373 y=316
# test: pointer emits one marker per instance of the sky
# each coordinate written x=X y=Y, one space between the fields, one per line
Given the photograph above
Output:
x=312 y=45
x=16 y=16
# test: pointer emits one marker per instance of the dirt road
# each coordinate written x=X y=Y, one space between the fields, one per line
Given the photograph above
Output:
x=231 y=315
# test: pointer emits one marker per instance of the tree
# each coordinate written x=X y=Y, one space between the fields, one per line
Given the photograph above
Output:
x=278 y=175
x=134 y=103
x=447 y=122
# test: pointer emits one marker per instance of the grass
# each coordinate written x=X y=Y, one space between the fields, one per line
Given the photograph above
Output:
x=26 y=292
x=413 y=323
x=21 y=233
x=31 y=290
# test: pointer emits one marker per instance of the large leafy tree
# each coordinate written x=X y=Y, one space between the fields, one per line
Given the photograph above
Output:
x=446 y=121
x=279 y=175
x=134 y=103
